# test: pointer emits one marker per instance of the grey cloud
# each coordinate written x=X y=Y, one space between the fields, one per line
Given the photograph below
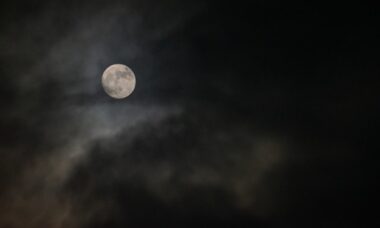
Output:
x=178 y=155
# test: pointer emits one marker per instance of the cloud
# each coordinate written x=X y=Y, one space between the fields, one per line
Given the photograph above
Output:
x=181 y=154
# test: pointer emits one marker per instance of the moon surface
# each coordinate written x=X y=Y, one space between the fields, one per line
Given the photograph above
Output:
x=118 y=81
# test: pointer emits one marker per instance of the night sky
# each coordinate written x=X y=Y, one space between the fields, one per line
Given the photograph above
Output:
x=244 y=115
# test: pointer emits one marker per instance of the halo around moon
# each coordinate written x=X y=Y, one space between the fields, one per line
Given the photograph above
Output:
x=118 y=81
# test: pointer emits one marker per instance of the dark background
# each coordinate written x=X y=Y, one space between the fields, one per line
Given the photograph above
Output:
x=244 y=115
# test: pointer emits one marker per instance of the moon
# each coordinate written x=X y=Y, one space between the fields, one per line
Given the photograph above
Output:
x=118 y=81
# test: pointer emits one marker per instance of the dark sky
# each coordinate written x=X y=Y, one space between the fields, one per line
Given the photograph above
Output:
x=244 y=115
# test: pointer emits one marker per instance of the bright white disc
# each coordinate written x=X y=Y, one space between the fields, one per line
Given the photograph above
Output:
x=118 y=81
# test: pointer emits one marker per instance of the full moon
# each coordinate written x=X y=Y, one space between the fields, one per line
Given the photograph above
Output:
x=118 y=81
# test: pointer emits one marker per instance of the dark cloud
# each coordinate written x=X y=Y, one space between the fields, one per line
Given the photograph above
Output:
x=257 y=116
